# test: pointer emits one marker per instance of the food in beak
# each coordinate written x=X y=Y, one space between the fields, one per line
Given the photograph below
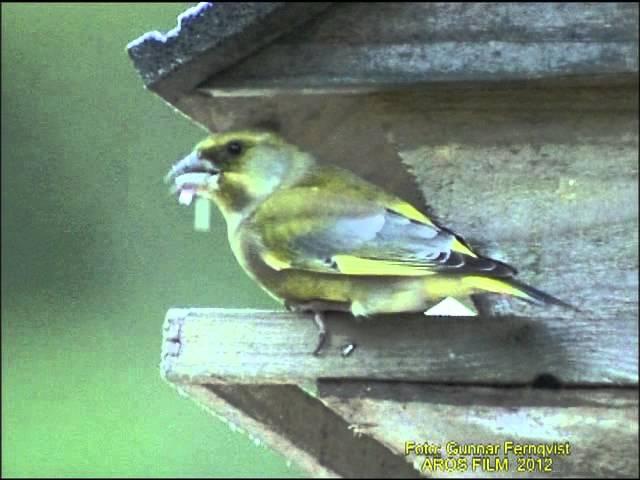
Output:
x=188 y=184
x=186 y=196
x=189 y=176
x=192 y=180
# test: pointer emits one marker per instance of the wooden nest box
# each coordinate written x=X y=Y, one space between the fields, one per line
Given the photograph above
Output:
x=517 y=123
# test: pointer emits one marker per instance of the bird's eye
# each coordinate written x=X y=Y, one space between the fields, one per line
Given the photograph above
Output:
x=234 y=147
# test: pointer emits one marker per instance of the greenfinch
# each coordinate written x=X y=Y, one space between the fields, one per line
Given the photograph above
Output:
x=318 y=238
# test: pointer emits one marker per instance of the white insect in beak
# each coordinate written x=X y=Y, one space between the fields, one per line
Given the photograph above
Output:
x=186 y=196
x=191 y=176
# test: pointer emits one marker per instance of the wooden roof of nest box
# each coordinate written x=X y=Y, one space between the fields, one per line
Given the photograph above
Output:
x=518 y=124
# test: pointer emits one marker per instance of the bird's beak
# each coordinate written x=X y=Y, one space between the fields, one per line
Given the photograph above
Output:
x=192 y=175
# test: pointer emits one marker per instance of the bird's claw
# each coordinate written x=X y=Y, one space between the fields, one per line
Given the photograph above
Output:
x=317 y=308
x=322 y=332
x=322 y=337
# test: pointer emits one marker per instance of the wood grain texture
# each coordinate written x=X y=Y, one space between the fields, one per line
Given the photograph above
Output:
x=299 y=427
x=256 y=347
x=359 y=46
x=210 y=39
x=601 y=426
x=304 y=430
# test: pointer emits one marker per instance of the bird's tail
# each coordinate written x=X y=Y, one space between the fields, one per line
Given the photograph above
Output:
x=513 y=287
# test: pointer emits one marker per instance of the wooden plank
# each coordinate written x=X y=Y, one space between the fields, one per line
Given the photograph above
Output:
x=260 y=432
x=359 y=47
x=255 y=347
x=301 y=428
x=600 y=425
x=211 y=37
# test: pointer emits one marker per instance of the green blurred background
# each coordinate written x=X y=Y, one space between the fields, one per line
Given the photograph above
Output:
x=94 y=252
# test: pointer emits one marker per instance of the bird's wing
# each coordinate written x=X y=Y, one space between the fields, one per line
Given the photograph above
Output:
x=341 y=234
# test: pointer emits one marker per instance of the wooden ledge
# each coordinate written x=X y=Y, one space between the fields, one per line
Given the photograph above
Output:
x=210 y=345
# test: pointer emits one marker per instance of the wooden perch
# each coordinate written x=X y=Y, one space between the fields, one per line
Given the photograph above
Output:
x=254 y=346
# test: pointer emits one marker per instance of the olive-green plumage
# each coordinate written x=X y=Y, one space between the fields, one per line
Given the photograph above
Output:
x=320 y=238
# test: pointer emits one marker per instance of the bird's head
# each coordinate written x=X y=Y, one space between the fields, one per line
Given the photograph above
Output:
x=236 y=169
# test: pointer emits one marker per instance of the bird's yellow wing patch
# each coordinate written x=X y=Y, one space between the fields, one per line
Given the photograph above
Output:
x=350 y=265
x=494 y=285
x=409 y=211
x=458 y=246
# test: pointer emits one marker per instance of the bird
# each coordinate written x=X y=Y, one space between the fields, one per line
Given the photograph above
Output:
x=318 y=238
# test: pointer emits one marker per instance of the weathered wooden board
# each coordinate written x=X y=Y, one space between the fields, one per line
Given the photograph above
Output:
x=600 y=426
x=210 y=38
x=356 y=45
x=256 y=347
x=361 y=428
x=301 y=428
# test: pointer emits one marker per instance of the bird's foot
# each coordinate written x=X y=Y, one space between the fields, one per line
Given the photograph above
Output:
x=318 y=319
x=318 y=307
